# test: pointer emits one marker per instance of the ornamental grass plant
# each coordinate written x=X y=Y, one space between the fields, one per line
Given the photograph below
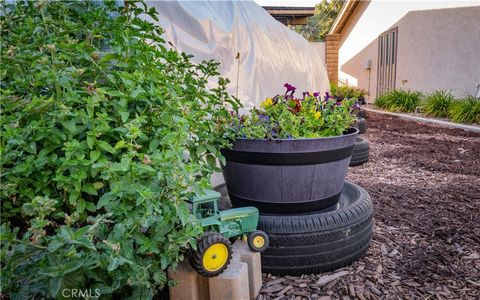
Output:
x=399 y=101
x=466 y=110
x=438 y=103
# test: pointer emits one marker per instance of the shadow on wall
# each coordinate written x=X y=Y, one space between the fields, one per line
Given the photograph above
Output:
x=437 y=49
x=355 y=67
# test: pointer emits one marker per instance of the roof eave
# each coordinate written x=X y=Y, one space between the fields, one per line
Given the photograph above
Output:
x=343 y=16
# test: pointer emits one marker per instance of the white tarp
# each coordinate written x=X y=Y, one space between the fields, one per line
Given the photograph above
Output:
x=270 y=53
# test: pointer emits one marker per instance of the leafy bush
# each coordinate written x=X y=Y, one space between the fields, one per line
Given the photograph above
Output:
x=437 y=103
x=399 y=101
x=466 y=110
x=285 y=116
x=347 y=92
x=105 y=133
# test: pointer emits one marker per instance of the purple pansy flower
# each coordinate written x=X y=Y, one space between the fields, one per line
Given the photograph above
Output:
x=264 y=118
x=316 y=94
x=306 y=94
x=327 y=96
x=289 y=87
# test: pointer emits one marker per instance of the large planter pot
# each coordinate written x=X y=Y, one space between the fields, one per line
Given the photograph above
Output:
x=288 y=175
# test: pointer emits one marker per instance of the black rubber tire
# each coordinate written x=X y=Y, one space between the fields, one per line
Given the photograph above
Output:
x=361 y=113
x=251 y=238
x=203 y=243
x=361 y=125
x=360 y=153
x=319 y=242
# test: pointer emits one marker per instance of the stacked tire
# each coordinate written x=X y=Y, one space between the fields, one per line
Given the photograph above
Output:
x=318 y=241
x=360 y=153
x=361 y=150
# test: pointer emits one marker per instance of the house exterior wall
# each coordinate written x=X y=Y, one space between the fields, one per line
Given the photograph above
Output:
x=331 y=56
x=433 y=38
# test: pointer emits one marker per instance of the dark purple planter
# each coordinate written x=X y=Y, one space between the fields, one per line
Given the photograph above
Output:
x=288 y=175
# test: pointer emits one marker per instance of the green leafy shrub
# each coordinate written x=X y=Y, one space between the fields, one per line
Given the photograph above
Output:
x=347 y=92
x=399 y=101
x=465 y=110
x=104 y=133
x=287 y=117
x=438 y=103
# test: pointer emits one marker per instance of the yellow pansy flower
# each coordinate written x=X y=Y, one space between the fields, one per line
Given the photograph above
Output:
x=317 y=115
x=268 y=102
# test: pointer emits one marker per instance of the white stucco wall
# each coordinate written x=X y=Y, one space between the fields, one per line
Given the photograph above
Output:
x=446 y=30
x=320 y=47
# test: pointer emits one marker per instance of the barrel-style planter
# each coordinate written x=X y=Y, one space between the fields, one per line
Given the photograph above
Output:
x=288 y=175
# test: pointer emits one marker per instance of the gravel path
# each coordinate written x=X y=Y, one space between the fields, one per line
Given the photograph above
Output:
x=425 y=184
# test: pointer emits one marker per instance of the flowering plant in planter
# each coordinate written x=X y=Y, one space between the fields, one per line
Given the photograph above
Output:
x=303 y=144
x=288 y=117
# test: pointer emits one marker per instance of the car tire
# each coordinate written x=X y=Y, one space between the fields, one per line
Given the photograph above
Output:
x=360 y=153
x=321 y=241
x=361 y=125
x=361 y=113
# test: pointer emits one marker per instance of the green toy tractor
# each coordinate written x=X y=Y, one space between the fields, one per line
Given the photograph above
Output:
x=214 y=249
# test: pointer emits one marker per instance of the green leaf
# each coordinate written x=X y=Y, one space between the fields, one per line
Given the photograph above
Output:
x=222 y=159
x=32 y=148
x=117 y=262
x=94 y=156
x=145 y=168
x=98 y=185
x=105 y=199
x=81 y=205
x=120 y=144
x=90 y=206
x=124 y=116
x=89 y=189
x=70 y=125
x=85 y=242
x=137 y=91
x=105 y=146
x=108 y=57
x=125 y=163
x=54 y=285
x=211 y=161
x=114 y=93
x=183 y=213
x=72 y=198
x=90 y=139
x=55 y=245
x=160 y=277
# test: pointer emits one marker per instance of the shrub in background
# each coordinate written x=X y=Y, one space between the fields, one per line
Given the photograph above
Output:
x=466 y=110
x=347 y=92
x=399 y=101
x=437 y=103
x=105 y=133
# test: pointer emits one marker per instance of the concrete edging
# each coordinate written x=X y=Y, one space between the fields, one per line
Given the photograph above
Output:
x=242 y=280
x=471 y=128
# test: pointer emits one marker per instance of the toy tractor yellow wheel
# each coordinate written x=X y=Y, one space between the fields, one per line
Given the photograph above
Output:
x=258 y=241
x=213 y=254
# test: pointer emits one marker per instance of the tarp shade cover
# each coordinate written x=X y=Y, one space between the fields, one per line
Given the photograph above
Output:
x=270 y=53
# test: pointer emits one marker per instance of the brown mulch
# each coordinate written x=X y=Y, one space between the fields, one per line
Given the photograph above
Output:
x=425 y=184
